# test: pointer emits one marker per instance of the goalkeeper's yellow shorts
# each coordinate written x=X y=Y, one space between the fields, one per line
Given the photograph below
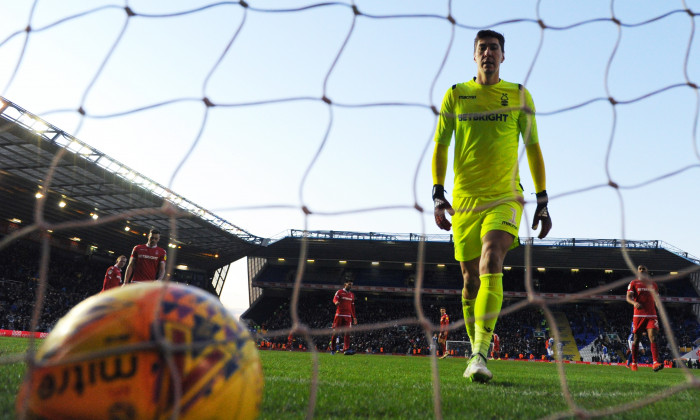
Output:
x=475 y=216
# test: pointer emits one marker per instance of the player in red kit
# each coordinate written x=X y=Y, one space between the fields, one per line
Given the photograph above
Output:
x=113 y=276
x=444 y=329
x=147 y=262
x=496 y=351
x=344 y=301
x=640 y=294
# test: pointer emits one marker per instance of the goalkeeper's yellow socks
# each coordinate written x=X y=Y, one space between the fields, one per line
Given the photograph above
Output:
x=468 y=312
x=488 y=302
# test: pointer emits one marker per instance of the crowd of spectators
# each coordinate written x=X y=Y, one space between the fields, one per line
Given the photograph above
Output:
x=70 y=277
x=316 y=311
x=603 y=330
x=523 y=332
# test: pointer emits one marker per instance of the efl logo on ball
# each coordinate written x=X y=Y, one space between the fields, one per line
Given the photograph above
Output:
x=145 y=351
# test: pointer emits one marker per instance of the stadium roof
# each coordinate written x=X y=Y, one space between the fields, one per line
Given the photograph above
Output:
x=551 y=253
x=93 y=185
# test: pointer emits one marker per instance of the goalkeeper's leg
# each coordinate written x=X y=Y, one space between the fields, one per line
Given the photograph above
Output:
x=470 y=289
x=468 y=313
x=487 y=308
x=488 y=301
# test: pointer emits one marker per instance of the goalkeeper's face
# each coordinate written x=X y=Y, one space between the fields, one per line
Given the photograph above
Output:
x=488 y=55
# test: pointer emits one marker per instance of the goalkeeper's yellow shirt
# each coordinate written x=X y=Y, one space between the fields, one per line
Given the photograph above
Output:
x=487 y=122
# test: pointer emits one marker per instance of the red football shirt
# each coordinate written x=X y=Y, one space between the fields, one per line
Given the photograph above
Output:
x=444 y=322
x=113 y=278
x=146 y=262
x=643 y=294
x=346 y=305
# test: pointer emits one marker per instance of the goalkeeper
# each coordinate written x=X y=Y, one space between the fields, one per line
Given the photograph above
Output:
x=487 y=116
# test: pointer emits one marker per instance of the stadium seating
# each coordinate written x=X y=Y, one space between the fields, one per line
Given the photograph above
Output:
x=523 y=332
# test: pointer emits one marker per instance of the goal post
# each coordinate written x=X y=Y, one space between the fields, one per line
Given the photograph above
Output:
x=458 y=348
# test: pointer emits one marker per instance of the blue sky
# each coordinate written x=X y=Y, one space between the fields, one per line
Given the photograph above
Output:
x=272 y=145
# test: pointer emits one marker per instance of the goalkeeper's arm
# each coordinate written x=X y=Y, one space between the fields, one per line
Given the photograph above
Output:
x=539 y=177
x=440 y=203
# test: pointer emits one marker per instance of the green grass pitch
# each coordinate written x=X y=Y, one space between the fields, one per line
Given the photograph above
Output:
x=400 y=387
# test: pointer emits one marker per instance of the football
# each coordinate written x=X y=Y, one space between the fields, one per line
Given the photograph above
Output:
x=145 y=351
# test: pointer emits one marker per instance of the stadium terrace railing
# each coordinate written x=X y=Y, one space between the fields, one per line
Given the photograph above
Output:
x=369 y=236
x=54 y=135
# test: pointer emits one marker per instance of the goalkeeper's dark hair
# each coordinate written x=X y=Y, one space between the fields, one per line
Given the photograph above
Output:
x=488 y=33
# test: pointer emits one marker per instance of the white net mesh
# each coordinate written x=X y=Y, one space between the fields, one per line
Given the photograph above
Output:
x=321 y=115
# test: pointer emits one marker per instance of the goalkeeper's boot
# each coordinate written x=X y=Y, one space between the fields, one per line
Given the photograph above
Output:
x=657 y=366
x=633 y=367
x=476 y=369
x=349 y=352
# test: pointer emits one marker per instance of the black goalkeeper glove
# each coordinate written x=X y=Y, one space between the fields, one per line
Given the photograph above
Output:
x=542 y=215
x=441 y=205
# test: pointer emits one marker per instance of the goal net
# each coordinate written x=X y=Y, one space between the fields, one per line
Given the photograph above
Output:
x=320 y=116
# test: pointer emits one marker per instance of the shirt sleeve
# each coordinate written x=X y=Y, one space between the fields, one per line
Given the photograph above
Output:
x=446 y=120
x=528 y=130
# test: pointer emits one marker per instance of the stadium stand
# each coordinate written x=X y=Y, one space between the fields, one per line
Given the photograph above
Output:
x=72 y=276
x=116 y=204
x=384 y=292
x=71 y=279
